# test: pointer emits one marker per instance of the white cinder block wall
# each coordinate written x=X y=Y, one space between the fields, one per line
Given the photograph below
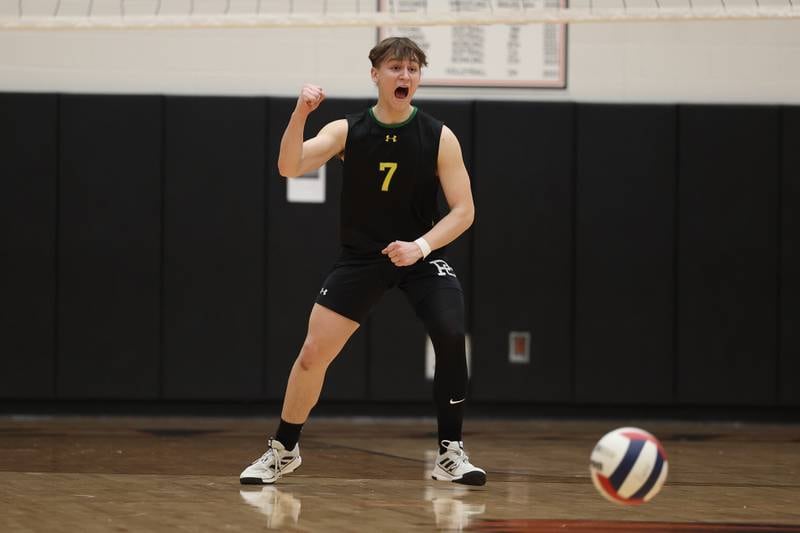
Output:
x=744 y=62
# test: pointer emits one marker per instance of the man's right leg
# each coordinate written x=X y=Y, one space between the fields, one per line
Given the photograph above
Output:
x=327 y=334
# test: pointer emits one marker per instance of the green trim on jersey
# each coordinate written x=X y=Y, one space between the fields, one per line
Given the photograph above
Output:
x=406 y=121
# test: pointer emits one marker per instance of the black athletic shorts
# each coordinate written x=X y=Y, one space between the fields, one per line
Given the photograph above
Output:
x=354 y=285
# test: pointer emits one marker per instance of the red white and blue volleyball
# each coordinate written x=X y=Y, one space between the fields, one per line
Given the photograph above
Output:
x=629 y=466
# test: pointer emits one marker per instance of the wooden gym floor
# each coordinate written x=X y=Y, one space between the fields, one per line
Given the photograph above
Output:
x=364 y=474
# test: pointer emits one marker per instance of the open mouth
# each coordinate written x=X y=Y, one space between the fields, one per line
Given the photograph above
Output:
x=401 y=92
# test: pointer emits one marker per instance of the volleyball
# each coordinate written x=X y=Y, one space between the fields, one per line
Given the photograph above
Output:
x=628 y=466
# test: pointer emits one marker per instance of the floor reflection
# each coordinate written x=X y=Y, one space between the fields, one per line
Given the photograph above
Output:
x=374 y=475
x=282 y=509
x=449 y=509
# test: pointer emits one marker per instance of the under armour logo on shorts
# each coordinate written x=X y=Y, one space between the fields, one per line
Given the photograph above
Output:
x=323 y=292
x=443 y=267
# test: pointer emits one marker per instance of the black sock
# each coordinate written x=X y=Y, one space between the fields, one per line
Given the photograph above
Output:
x=288 y=434
x=450 y=418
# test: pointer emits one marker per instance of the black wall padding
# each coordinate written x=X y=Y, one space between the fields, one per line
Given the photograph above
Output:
x=303 y=244
x=397 y=338
x=28 y=173
x=148 y=251
x=790 y=260
x=214 y=211
x=727 y=254
x=109 y=246
x=523 y=270
x=624 y=260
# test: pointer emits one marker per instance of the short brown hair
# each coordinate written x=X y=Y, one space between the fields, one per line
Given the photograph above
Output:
x=397 y=48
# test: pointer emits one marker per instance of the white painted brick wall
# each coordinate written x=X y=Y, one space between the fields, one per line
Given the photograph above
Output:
x=751 y=62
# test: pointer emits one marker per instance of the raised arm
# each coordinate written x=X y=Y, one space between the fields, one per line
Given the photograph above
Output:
x=298 y=157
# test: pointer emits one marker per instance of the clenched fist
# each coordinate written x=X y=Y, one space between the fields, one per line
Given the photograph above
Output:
x=311 y=96
x=403 y=253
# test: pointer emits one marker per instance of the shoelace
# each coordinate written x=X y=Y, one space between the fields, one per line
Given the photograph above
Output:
x=461 y=456
x=276 y=462
x=265 y=457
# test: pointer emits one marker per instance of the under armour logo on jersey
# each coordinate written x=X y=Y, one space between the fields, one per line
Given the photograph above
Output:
x=392 y=138
x=323 y=292
x=443 y=267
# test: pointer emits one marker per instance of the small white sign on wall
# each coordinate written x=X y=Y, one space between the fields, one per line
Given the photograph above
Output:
x=519 y=347
x=308 y=188
x=430 y=357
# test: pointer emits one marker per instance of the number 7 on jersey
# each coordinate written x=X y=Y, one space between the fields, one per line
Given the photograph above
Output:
x=391 y=167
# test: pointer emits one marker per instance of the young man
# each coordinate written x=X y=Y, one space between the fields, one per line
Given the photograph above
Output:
x=394 y=158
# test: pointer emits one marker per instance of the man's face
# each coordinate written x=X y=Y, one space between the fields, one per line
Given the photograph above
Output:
x=397 y=79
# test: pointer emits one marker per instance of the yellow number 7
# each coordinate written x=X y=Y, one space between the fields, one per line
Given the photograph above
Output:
x=391 y=167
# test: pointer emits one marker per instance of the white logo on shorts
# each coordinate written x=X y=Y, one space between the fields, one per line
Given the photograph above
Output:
x=443 y=267
x=323 y=292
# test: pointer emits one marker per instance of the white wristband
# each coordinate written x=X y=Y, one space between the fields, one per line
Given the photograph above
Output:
x=424 y=246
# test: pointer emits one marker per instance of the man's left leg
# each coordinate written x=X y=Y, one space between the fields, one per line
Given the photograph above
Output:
x=442 y=312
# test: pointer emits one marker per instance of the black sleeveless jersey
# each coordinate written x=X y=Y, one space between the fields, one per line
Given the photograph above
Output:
x=390 y=184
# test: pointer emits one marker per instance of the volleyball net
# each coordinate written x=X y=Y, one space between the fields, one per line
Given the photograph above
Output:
x=203 y=14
